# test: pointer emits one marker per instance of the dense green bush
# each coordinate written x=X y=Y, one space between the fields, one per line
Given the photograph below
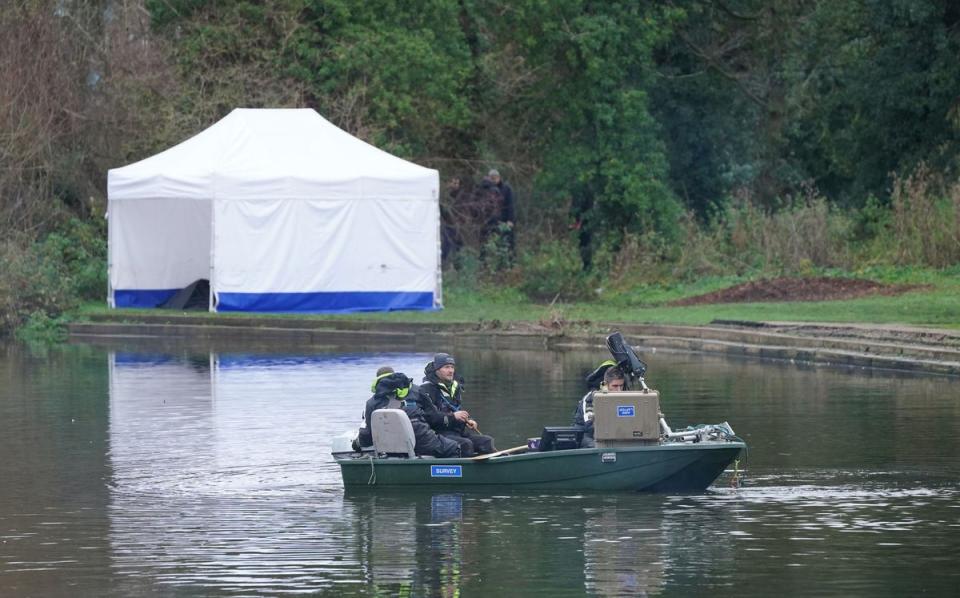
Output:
x=464 y=269
x=497 y=254
x=31 y=283
x=80 y=250
x=41 y=329
x=552 y=271
x=41 y=280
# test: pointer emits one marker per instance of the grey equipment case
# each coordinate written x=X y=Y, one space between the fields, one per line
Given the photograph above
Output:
x=628 y=416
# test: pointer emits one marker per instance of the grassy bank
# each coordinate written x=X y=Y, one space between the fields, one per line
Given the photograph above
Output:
x=936 y=304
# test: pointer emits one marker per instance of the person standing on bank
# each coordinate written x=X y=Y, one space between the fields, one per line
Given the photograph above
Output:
x=508 y=209
x=503 y=222
x=441 y=397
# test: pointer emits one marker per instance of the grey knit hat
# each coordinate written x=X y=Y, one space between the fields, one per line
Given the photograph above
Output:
x=442 y=359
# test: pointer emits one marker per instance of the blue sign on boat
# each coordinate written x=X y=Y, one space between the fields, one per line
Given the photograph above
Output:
x=446 y=471
x=626 y=411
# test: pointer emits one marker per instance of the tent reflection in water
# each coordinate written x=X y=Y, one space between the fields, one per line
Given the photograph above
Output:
x=281 y=211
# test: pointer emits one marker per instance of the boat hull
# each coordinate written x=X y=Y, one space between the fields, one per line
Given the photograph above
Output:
x=680 y=467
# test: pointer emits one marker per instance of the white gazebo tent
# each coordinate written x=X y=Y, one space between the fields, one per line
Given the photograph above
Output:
x=281 y=211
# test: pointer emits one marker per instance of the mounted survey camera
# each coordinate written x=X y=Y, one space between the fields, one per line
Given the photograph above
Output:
x=626 y=415
x=609 y=425
x=627 y=360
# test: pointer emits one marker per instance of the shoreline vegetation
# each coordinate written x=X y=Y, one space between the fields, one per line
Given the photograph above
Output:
x=653 y=160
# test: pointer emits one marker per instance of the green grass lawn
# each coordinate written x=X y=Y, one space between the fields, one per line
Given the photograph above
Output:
x=937 y=305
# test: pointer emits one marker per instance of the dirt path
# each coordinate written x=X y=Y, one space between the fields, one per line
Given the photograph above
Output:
x=797 y=289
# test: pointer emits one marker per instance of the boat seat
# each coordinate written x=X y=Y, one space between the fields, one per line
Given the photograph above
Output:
x=392 y=433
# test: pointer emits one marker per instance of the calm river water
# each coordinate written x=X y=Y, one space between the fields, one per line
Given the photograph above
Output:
x=148 y=470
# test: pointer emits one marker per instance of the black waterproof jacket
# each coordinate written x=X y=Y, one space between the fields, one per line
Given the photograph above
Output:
x=507 y=206
x=579 y=417
x=385 y=391
x=508 y=212
x=439 y=400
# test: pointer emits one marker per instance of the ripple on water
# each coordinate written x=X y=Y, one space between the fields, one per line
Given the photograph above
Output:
x=216 y=479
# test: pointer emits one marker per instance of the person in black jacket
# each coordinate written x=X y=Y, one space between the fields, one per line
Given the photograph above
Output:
x=507 y=208
x=389 y=391
x=502 y=223
x=441 y=402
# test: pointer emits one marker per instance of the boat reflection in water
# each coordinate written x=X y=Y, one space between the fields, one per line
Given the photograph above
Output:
x=619 y=561
x=222 y=481
x=532 y=545
x=221 y=475
x=410 y=545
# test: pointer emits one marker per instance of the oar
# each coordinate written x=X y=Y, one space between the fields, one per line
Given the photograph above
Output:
x=508 y=451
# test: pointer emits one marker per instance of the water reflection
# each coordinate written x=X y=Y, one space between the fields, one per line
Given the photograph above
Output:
x=222 y=479
x=204 y=473
x=447 y=544
x=624 y=559
x=234 y=424
x=221 y=468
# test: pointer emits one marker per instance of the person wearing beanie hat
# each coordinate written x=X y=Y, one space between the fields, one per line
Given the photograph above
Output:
x=442 y=359
x=441 y=397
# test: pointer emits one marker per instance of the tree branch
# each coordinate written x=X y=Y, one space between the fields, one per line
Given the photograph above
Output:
x=718 y=65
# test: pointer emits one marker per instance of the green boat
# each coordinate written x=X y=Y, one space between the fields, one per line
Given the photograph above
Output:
x=632 y=448
x=662 y=467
